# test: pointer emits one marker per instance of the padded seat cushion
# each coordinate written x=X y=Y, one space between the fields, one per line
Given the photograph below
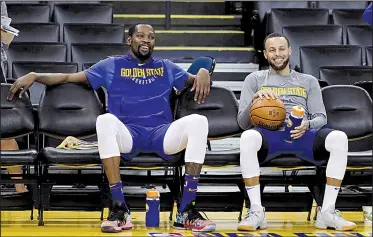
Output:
x=286 y=161
x=20 y=157
x=223 y=157
x=54 y=156
x=359 y=159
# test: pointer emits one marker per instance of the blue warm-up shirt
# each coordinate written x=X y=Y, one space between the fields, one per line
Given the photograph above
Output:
x=138 y=94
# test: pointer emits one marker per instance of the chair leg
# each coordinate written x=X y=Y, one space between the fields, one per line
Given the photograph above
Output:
x=32 y=214
x=41 y=217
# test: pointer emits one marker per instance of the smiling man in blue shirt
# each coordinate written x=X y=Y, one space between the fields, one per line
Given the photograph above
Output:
x=140 y=120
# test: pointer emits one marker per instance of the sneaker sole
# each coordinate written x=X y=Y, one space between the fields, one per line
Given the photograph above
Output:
x=110 y=229
x=208 y=228
x=344 y=228
x=250 y=228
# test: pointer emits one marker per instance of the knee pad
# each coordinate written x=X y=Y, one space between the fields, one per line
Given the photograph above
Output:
x=252 y=139
x=336 y=140
x=198 y=123
x=105 y=123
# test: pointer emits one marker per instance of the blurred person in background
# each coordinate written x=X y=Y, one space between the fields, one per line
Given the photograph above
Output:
x=367 y=15
x=8 y=144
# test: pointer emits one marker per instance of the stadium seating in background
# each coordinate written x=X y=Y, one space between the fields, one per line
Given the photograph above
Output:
x=92 y=33
x=345 y=75
x=368 y=56
x=37 y=52
x=346 y=17
x=28 y=12
x=342 y=4
x=93 y=53
x=312 y=57
x=37 y=32
x=359 y=35
x=281 y=17
x=311 y=35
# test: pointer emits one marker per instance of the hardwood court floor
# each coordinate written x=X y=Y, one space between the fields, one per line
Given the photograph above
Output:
x=59 y=223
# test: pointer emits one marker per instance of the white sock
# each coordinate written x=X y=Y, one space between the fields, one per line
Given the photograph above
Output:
x=330 y=196
x=254 y=195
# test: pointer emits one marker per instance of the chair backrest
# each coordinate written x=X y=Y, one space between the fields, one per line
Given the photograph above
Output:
x=264 y=6
x=220 y=108
x=311 y=35
x=92 y=53
x=312 y=57
x=282 y=17
x=366 y=85
x=368 y=56
x=83 y=13
x=348 y=17
x=22 y=68
x=37 y=52
x=342 y=4
x=37 y=32
x=69 y=110
x=28 y=12
x=189 y=55
x=17 y=118
x=345 y=75
x=349 y=109
x=359 y=35
x=93 y=33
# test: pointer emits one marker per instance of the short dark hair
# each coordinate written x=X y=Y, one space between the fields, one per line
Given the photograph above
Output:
x=274 y=35
x=132 y=28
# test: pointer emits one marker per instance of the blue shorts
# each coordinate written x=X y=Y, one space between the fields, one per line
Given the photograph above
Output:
x=310 y=147
x=147 y=140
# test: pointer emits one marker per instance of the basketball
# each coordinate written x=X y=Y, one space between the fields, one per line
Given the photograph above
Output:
x=268 y=113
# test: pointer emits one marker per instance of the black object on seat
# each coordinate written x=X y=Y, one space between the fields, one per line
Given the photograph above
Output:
x=22 y=68
x=345 y=75
x=312 y=57
x=311 y=35
x=28 y=12
x=17 y=120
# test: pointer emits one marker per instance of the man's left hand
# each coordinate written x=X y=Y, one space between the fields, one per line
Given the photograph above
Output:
x=201 y=85
x=300 y=130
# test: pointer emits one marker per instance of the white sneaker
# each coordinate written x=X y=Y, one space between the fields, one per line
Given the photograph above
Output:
x=333 y=219
x=254 y=219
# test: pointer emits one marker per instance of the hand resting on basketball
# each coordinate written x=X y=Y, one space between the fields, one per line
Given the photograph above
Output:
x=300 y=130
x=268 y=94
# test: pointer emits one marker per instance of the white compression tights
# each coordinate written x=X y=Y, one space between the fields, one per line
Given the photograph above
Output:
x=189 y=132
x=336 y=143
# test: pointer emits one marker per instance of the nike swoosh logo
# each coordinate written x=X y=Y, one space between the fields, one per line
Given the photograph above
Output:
x=192 y=190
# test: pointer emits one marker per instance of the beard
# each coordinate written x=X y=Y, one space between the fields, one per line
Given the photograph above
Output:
x=139 y=55
x=278 y=68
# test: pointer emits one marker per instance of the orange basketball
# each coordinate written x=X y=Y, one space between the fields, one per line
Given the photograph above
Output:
x=268 y=113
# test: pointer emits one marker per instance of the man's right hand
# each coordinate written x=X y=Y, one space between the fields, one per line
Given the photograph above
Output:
x=268 y=94
x=23 y=83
